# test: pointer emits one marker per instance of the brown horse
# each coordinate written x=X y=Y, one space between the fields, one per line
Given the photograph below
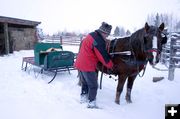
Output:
x=145 y=46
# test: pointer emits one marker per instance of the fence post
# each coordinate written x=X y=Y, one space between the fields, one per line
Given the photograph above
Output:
x=172 y=62
x=61 y=42
x=163 y=55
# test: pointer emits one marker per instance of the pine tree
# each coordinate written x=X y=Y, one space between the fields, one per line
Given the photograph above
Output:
x=157 y=20
x=116 y=31
x=128 y=33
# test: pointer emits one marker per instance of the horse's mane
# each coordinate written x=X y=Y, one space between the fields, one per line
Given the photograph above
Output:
x=134 y=41
x=137 y=39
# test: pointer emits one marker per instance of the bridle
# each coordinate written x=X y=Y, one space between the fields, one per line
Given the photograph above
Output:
x=154 y=50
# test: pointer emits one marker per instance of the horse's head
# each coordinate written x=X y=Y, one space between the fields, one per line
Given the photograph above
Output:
x=153 y=40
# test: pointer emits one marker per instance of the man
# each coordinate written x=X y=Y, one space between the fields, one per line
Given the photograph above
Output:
x=92 y=50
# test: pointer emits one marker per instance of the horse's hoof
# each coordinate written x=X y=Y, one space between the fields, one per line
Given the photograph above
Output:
x=117 y=102
x=128 y=101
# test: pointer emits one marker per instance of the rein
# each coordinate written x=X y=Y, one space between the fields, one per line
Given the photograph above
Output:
x=144 y=63
x=144 y=69
x=159 y=69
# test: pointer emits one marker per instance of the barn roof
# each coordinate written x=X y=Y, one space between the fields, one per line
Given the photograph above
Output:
x=11 y=20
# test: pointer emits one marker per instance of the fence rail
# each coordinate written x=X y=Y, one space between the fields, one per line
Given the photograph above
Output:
x=70 y=40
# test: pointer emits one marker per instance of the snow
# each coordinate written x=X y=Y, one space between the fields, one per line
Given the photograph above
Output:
x=27 y=95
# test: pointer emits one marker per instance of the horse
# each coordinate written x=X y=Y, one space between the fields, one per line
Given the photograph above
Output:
x=144 y=45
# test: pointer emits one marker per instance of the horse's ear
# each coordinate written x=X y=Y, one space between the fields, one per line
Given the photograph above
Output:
x=146 y=27
x=161 y=27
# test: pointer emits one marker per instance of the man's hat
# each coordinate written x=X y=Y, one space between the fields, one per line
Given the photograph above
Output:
x=105 y=28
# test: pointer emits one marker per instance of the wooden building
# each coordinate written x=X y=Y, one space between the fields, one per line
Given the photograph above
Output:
x=16 y=34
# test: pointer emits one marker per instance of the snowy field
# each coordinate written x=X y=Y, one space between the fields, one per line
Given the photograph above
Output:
x=26 y=95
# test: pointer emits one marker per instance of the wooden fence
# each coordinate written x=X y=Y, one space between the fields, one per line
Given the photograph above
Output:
x=171 y=54
x=69 y=40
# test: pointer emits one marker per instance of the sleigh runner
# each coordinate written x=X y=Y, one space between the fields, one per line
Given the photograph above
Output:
x=50 y=57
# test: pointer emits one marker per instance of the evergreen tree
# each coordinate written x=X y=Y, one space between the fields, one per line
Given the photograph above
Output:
x=170 y=23
x=157 y=20
x=177 y=27
x=116 y=31
x=128 y=33
x=122 y=31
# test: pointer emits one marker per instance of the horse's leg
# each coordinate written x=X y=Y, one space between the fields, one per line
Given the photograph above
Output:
x=121 y=81
x=129 y=88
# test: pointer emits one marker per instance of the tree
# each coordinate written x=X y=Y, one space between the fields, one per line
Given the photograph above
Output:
x=170 y=23
x=150 y=19
x=39 y=34
x=177 y=27
x=157 y=20
x=128 y=33
x=122 y=31
x=116 y=31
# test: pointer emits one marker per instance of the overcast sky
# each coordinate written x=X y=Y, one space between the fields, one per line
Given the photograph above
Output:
x=87 y=15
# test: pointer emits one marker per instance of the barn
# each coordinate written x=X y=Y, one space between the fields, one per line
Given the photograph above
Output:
x=17 y=34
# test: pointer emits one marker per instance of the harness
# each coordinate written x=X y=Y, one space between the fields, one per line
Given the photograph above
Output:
x=132 y=56
x=111 y=45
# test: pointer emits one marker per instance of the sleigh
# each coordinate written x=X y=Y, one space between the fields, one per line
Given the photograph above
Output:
x=50 y=57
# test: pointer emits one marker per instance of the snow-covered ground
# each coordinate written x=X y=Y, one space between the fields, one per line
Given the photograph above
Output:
x=26 y=95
